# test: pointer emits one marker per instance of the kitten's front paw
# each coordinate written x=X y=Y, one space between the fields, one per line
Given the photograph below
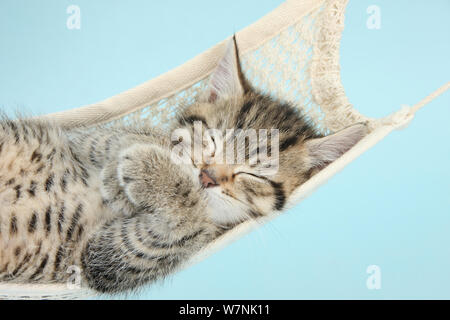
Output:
x=150 y=179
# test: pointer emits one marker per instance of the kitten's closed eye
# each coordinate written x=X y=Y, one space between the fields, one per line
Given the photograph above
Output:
x=209 y=147
x=251 y=176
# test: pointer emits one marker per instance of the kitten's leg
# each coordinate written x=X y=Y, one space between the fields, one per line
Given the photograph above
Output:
x=127 y=252
x=154 y=183
x=168 y=227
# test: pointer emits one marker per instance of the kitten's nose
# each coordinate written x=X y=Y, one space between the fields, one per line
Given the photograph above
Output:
x=207 y=180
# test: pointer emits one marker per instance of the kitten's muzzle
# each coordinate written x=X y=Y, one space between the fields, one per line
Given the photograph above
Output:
x=207 y=179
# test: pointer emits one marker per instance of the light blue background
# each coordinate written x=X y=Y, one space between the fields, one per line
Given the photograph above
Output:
x=390 y=208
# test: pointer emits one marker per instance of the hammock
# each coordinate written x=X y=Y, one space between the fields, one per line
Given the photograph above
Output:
x=293 y=53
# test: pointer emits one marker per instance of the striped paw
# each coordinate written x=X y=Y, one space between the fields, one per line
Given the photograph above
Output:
x=150 y=179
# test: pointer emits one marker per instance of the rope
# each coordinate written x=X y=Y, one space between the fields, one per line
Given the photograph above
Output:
x=403 y=117
x=431 y=97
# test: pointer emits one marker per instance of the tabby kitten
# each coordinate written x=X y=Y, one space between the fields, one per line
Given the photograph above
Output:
x=114 y=202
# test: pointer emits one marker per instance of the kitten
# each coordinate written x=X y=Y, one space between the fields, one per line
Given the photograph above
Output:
x=114 y=202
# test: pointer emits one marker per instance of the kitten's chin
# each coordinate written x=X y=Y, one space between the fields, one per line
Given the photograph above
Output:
x=224 y=210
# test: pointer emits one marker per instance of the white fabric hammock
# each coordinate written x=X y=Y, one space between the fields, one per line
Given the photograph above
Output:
x=293 y=53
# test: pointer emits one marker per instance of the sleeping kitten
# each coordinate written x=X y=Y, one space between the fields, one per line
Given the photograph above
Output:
x=115 y=202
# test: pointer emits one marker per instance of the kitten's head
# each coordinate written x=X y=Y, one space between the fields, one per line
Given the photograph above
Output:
x=251 y=150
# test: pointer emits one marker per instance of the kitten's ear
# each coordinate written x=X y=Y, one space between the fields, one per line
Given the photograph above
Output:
x=227 y=80
x=323 y=151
